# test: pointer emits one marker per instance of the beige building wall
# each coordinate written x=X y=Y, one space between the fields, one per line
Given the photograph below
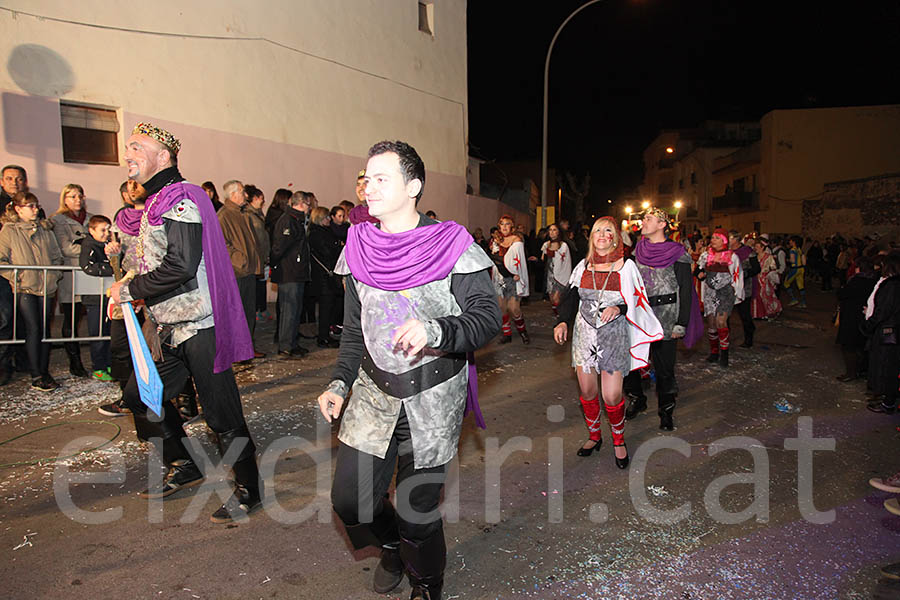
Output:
x=310 y=84
x=804 y=149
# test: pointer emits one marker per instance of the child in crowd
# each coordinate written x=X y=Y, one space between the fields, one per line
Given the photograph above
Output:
x=95 y=261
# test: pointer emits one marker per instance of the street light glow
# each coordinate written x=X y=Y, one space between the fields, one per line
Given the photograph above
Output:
x=627 y=210
x=678 y=204
x=669 y=149
x=645 y=204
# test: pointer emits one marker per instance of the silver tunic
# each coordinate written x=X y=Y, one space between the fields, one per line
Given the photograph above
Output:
x=435 y=415
x=662 y=282
x=187 y=313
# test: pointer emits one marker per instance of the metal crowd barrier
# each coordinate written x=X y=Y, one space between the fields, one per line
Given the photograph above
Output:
x=82 y=285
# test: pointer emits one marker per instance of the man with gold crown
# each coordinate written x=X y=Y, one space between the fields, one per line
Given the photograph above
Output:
x=184 y=276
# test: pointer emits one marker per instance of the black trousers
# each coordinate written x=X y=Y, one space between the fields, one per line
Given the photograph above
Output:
x=33 y=313
x=662 y=356
x=67 y=309
x=247 y=291
x=216 y=392
x=743 y=311
x=361 y=482
x=329 y=309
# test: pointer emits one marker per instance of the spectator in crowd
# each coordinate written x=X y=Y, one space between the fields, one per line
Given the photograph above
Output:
x=27 y=240
x=70 y=228
x=431 y=215
x=347 y=206
x=242 y=249
x=255 y=201
x=842 y=263
x=13 y=179
x=210 y=188
x=326 y=287
x=882 y=326
x=94 y=260
x=339 y=223
x=291 y=271
x=361 y=188
x=852 y=298
x=280 y=201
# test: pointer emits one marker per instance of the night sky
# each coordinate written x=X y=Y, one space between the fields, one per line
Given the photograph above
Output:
x=622 y=70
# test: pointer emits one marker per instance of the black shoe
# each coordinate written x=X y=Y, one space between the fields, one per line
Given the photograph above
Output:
x=389 y=572
x=622 y=463
x=747 y=344
x=713 y=357
x=723 y=359
x=891 y=571
x=636 y=405
x=422 y=593
x=505 y=339
x=845 y=378
x=883 y=408
x=666 y=422
x=329 y=343
x=76 y=368
x=116 y=409
x=186 y=474
x=241 y=503
x=525 y=339
x=588 y=451
x=44 y=383
x=294 y=353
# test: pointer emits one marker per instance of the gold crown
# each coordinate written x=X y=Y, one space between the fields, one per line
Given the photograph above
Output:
x=659 y=214
x=160 y=135
x=361 y=174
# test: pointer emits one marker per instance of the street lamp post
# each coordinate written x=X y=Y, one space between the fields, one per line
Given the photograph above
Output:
x=546 y=81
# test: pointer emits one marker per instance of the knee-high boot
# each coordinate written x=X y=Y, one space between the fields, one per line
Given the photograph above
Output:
x=666 y=410
x=425 y=564
x=616 y=416
x=247 y=495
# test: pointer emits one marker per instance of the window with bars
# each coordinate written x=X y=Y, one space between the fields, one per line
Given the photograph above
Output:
x=89 y=134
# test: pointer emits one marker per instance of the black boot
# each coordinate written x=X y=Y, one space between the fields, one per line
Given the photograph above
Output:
x=75 y=367
x=169 y=439
x=636 y=405
x=666 y=409
x=713 y=357
x=425 y=564
x=389 y=572
x=748 y=339
x=246 y=497
x=723 y=358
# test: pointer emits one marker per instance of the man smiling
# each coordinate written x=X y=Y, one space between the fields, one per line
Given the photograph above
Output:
x=418 y=299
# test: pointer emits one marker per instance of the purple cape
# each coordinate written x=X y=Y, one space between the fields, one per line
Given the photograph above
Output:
x=399 y=261
x=662 y=255
x=233 y=341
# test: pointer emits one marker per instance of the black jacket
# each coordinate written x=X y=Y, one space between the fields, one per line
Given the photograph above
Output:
x=94 y=261
x=290 y=249
x=325 y=249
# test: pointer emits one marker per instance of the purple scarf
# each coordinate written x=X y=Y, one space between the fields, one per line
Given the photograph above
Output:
x=743 y=252
x=662 y=255
x=233 y=341
x=399 y=261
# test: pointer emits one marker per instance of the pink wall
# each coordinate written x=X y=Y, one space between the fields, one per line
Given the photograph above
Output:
x=30 y=134
x=485 y=212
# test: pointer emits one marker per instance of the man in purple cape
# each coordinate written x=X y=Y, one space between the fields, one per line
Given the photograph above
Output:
x=665 y=267
x=419 y=300
x=184 y=277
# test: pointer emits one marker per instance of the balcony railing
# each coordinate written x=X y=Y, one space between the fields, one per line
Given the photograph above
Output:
x=736 y=200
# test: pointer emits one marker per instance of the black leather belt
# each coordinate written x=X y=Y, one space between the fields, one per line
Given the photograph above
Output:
x=415 y=380
x=663 y=299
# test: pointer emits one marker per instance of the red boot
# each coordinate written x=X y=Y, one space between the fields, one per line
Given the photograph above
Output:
x=616 y=416
x=591 y=410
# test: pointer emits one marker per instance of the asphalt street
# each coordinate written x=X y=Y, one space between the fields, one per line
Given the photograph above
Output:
x=728 y=506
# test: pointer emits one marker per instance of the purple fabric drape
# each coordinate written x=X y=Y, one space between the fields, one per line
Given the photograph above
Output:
x=233 y=341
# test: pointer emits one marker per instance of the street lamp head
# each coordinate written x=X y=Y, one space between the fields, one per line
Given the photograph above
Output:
x=645 y=204
x=678 y=204
x=669 y=149
x=627 y=210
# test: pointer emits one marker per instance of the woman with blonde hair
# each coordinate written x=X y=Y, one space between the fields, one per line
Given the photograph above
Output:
x=26 y=240
x=614 y=326
x=70 y=227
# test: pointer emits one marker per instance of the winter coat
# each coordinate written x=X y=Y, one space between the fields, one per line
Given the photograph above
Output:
x=258 y=223
x=882 y=329
x=30 y=243
x=325 y=248
x=94 y=261
x=240 y=240
x=852 y=302
x=290 y=248
x=69 y=234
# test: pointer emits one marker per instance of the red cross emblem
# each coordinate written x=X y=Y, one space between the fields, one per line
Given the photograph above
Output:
x=735 y=277
x=641 y=298
x=518 y=263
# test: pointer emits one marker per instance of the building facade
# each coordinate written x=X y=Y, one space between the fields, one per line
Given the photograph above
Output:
x=279 y=94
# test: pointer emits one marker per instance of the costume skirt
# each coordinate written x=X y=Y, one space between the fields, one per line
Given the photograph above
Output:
x=718 y=301
x=505 y=287
x=602 y=349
